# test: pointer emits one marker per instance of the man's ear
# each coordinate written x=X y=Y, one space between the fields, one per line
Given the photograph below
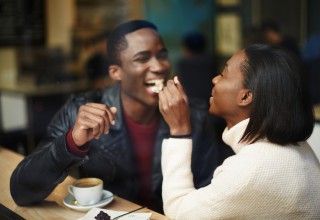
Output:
x=245 y=97
x=115 y=72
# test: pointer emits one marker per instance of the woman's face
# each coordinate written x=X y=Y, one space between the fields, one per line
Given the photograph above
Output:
x=228 y=90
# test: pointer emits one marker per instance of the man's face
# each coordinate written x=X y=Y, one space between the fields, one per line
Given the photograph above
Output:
x=145 y=59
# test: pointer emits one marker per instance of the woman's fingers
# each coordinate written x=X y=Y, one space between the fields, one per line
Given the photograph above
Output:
x=174 y=107
x=180 y=88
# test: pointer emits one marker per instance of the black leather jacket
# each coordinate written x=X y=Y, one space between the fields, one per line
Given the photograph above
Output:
x=110 y=158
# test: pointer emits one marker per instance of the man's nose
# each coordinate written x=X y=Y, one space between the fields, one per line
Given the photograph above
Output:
x=157 y=65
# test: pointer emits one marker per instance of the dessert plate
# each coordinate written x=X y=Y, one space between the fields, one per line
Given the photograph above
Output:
x=71 y=202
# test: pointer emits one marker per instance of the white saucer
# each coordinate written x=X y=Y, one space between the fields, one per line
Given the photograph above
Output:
x=70 y=202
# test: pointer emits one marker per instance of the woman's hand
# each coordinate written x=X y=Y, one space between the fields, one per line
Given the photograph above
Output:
x=173 y=105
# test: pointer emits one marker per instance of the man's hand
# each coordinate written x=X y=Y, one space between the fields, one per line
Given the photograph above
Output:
x=93 y=120
x=173 y=104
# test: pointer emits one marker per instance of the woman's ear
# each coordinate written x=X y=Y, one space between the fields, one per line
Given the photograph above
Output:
x=245 y=97
x=115 y=72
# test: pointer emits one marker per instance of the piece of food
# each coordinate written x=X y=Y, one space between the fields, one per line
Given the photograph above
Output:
x=103 y=216
x=156 y=85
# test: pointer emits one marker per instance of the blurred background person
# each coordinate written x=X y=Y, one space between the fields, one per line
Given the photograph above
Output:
x=196 y=66
x=311 y=58
x=273 y=35
x=97 y=64
x=311 y=49
x=252 y=35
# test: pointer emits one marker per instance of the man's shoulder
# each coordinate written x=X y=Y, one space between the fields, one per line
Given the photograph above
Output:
x=198 y=110
x=196 y=104
x=96 y=95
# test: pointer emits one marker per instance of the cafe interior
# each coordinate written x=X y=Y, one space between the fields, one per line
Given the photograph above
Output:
x=46 y=47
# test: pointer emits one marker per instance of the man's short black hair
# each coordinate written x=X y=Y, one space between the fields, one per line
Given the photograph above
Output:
x=117 y=41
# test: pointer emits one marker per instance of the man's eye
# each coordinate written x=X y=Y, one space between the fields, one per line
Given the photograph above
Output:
x=142 y=59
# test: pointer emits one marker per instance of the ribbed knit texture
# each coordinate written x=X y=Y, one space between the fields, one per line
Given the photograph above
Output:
x=262 y=181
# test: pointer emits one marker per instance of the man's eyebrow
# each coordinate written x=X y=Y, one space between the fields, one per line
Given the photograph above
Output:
x=145 y=53
x=164 y=50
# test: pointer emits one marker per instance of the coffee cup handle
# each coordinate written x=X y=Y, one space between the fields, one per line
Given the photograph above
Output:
x=70 y=189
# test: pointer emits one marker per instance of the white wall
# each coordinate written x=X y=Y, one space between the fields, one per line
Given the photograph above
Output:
x=13 y=111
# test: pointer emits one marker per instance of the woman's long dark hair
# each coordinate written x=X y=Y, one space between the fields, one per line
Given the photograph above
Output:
x=280 y=111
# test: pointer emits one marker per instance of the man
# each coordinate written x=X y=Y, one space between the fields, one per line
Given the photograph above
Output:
x=115 y=133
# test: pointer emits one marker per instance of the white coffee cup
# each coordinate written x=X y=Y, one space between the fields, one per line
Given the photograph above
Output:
x=87 y=191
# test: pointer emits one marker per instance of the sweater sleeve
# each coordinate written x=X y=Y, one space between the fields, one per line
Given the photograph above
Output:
x=181 y=199
x=178 y=189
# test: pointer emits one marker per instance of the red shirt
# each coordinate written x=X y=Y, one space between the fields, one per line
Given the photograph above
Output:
x=143 y=139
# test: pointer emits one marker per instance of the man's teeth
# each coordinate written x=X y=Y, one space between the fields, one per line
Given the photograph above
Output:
x=155 y=81
x=156 y=85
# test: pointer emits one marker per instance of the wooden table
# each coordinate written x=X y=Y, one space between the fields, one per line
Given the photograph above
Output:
x=52 y=208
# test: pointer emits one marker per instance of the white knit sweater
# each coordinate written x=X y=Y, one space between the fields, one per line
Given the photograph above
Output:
x=262 y=181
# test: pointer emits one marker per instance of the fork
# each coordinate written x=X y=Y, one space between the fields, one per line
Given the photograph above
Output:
x=119 y=216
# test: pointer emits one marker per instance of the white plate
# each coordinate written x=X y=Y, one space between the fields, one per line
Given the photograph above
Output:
x=70 y=202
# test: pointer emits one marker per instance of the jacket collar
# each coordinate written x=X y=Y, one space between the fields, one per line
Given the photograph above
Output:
x=111 y=97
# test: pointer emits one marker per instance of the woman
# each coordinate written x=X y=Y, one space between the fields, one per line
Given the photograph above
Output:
x=274 y=173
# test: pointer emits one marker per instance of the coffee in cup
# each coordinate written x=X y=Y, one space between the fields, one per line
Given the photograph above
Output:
x=87 y=191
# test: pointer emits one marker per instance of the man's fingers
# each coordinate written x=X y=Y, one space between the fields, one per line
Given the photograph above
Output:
x=99 y=113
x=97 y=123
x=105 y=111
x=99 y=109
x=97 y=105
